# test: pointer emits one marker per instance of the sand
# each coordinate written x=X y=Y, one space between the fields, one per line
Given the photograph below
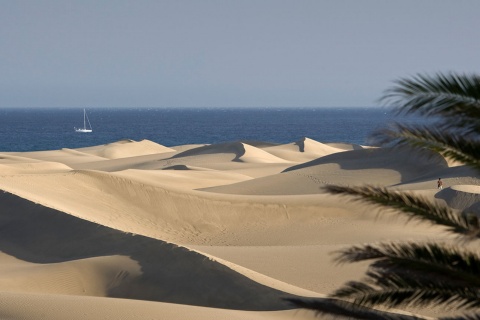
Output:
x=137 y=230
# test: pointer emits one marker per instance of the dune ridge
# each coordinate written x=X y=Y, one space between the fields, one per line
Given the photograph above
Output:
x=199 y=231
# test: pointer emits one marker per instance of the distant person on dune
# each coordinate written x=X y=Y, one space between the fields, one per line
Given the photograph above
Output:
x=440 y=184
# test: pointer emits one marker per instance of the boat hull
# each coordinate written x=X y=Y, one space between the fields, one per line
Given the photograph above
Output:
x=83 y=130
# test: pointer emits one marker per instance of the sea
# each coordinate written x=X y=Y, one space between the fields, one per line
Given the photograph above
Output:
x=33 y=129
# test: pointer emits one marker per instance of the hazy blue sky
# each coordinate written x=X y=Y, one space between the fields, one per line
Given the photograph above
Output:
x=142 y=53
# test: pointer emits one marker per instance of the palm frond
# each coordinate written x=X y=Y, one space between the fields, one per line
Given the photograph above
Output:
x=414 y=274
x=399 y=296
x=415 y=207
x=344 y=309
x=442 y=95
x=452 y=145
x=458 y=266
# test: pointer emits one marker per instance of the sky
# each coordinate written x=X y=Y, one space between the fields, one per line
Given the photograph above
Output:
x=227 y=53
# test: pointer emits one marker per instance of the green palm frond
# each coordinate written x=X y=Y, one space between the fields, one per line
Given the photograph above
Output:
x=413 y=206
x=414 y=274
x=453 y=97
x=452 y=145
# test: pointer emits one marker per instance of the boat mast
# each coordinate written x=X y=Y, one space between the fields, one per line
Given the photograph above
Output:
x=88 y=120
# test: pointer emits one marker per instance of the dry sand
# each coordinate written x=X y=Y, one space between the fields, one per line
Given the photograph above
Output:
x=136 y=230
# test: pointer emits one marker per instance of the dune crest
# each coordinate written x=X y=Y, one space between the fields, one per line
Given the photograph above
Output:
x=34 y=167
x=302 y=150
x=255 y=155
x=241 y=152
x=127 y=148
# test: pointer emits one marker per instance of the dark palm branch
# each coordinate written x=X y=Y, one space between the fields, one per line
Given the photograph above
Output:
x=413 y=206
x=452 y=145
x=442 y=262
x=348 y=310
x=455 y=98
x=414 y=274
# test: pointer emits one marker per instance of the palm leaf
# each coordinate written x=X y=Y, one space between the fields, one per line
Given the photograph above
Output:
x=451 y=97
x=452 y=145
x=346 y=309
x=413 y=206
x=428 y=260
x=400 y=296
x=414 y=274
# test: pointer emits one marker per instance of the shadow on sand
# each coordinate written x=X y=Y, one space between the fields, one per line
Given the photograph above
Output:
x=170 y=273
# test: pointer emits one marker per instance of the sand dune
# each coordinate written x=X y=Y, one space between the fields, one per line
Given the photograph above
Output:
x=126 y=148
x=347 y=146
x=66 y=156
x=241 y=152
x=302 y=150
x=34 y=167
x=150 y=269
x=462 y=197
x=223 y=231
x=19 y=306
x=357 y=167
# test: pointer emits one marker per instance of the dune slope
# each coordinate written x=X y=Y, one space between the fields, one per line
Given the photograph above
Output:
x=165 y=272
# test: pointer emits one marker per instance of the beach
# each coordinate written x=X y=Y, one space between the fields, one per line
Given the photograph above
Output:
x=138 y=230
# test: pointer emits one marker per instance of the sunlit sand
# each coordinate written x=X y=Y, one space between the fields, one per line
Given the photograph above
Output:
x=137 y=230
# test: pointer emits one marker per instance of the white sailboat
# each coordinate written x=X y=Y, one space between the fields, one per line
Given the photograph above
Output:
x=85 y=120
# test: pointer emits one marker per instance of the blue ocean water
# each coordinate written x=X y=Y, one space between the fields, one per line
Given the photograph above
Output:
x=49 y=129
